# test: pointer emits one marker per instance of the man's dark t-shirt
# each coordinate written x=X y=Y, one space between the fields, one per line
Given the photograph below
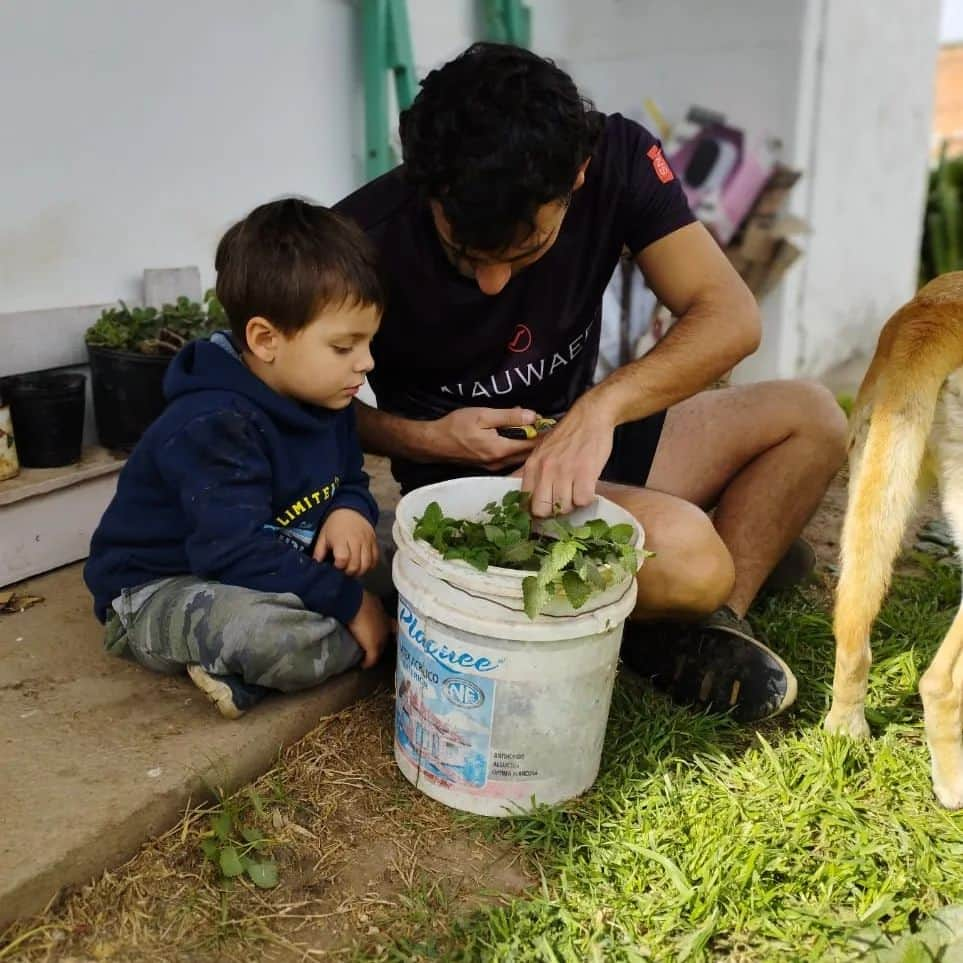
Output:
x=444 y=344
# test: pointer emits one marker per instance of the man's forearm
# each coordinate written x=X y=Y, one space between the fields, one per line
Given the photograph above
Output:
x=705 y=343
x=383 y=433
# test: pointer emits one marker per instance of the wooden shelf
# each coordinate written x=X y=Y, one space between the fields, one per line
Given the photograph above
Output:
x=94 y=462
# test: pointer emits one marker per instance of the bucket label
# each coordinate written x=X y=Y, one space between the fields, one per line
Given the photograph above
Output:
x=443 y=713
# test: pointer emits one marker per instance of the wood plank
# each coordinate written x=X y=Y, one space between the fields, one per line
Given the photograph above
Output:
x=94 y=462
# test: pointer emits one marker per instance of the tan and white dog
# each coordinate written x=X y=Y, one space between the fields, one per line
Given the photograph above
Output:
x=906 y=437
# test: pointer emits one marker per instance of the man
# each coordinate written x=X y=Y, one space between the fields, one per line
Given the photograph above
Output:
x=498 y=236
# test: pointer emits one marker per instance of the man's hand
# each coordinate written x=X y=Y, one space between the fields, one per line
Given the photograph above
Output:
x=349 y=537
x=562 y=472
x=370 y=628
x=469 y=435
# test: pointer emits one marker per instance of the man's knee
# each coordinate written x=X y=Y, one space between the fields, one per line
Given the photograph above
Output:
x=819 y=416
x=691 y=574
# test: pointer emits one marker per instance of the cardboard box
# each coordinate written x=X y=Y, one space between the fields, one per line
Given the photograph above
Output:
x=762 y=251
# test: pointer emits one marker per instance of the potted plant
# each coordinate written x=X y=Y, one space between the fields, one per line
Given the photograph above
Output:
x=129 y=350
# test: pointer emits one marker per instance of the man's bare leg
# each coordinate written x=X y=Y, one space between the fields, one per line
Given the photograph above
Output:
x=763 y=456
x=691 y=573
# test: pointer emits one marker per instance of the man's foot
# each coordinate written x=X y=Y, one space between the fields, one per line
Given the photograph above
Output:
x=794 y=568
x=231 y=695
x=716 y=665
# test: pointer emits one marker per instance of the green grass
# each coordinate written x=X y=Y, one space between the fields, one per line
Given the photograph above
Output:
x=702 y=840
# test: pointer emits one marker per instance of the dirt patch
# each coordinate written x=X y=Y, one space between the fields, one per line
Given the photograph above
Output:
x=357 y=848
x=825 y=527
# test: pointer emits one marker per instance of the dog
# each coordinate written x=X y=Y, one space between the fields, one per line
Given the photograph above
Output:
x=906 y=437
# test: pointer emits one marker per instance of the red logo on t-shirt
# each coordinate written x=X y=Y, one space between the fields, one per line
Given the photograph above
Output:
x=521 y=340
x=660 y=164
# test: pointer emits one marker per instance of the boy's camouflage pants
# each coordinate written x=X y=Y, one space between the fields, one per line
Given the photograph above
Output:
x=264 y=638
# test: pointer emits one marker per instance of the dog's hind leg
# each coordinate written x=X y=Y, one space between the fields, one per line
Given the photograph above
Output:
x=941 y=686
x=884 y=478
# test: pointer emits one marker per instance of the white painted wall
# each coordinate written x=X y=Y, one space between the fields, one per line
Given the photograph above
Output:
x=871 y=119
x=743 y=58
x=847 y=86
x=134 y=133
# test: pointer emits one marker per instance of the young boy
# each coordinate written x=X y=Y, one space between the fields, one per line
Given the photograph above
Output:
x=242 y=521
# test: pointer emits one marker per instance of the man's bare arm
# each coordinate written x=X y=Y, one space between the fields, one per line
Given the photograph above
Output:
x=718 y=325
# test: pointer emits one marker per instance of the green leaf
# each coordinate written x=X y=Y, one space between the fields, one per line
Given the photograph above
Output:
x=495 y=535
x=621 y=533
x=593 y=575
x=256 y=801
x=264 y=874
x=535 y=594
x=562 y=553
x=576 y=589
x=252 y=835
x=429 y=523
x=211 y=848
x=222 y=824
x=554 y=528
x=513 y=536
x=230 y=862
x=519 y=552
x=478 y=558
x=599 y=527
x=583 y=531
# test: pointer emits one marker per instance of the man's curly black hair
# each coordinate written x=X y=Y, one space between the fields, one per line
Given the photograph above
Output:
x=493 y=135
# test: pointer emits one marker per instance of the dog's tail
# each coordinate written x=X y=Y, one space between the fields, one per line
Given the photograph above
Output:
x=919 y=348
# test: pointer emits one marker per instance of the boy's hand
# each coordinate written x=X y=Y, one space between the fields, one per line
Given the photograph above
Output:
x=370 y=628
x=349 y=537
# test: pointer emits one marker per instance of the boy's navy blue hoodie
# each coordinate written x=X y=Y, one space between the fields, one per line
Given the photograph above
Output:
x=231 y=484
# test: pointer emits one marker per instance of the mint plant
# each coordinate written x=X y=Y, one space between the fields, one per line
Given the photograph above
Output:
x=237 y=849
x=567 y=561
x=157 y=332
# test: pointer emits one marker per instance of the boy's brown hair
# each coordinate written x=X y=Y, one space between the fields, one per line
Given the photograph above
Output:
x=287 y=261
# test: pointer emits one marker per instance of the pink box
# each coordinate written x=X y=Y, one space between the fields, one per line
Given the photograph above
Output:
x=721 y=172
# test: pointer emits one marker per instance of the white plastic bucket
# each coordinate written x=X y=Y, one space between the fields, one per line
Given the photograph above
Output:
x=494 y=711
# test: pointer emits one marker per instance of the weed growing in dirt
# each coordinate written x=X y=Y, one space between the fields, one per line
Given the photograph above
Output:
x=236 y=848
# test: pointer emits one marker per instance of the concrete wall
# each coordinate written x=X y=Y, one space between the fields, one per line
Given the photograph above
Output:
x=134 y=133
x=867 y=163
x=847 y=90
x=745 y=58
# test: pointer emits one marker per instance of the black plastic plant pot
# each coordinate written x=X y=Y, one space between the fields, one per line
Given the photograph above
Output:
x=128 y=393
x=48 y=417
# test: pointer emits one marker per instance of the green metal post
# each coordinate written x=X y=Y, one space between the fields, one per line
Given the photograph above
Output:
x=508 y=21
x=386 y=47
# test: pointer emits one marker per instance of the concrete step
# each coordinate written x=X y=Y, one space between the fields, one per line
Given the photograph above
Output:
x=98 y=754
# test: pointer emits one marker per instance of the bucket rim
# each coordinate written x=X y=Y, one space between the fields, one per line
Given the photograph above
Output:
x=513 y=574
x=498 y=585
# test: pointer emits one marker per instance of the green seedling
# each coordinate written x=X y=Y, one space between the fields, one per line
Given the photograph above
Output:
x=570 y=561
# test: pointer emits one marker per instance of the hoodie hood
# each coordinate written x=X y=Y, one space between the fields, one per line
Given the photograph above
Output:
x=215 y=364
